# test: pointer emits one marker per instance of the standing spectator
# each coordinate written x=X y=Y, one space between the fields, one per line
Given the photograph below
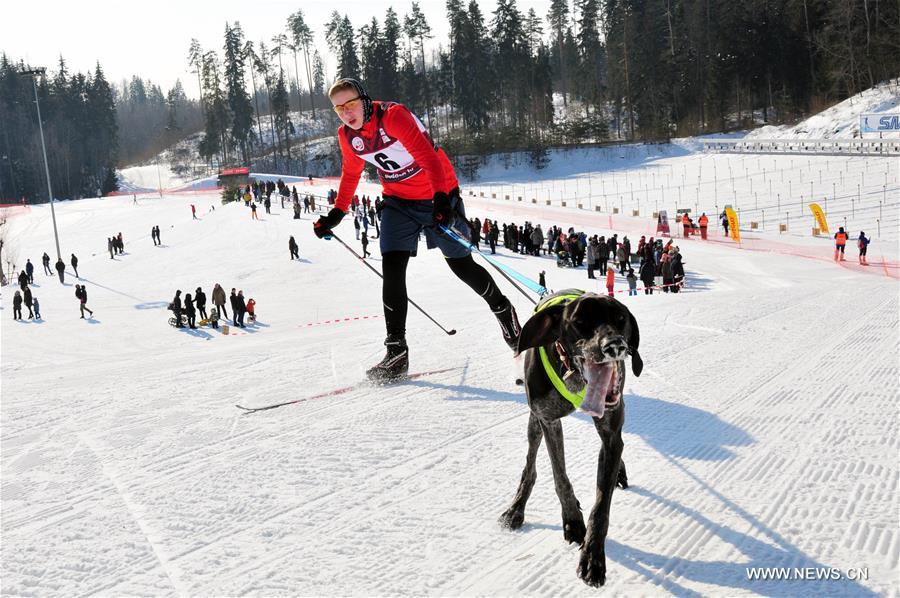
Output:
x=665 y=264
x=537 y=240
x=373 y=219
x=610 y=281
x=632 y=282
x=75 y=265
x=542 y=279
x=356 y=226
x=46 y=262
x=194 y=212
x=81 y=293
x=365 y=245
x=621 y=258
x=725 y=222
x=306 y=204
x=175 y=306
x=677 y=272
x=648 y=273
x=28 y=302
x=234 y=308
x=267 y=204
x=840 y=243
x=37 y=308
x=241 y=308
x=686 y=224
x=61 y=270
x=593 y=256
x=17 y=306
x=29 y=270
x=110 y=247
x=251 y=309
x=863 y=245
x=253 y=215
x=120 y=243
x=200 y=302
x=603 y=255
x=218 y=299
x=704 y=224
x=190 y=312
x=23 y=280
x=294 y=249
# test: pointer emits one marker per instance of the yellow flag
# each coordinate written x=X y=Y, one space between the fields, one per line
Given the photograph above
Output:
x=733 y=224
x=820 y=217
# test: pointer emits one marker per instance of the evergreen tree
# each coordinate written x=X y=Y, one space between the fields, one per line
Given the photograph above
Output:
x=239 y=107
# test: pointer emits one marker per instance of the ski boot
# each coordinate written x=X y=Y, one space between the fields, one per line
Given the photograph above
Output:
x=395 y=364
x=509 y=324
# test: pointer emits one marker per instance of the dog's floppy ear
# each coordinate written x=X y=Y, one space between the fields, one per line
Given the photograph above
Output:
x=541 y=329
x=634 y=339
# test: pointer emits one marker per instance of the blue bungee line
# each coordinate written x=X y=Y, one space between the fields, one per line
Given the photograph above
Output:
x=453 y=234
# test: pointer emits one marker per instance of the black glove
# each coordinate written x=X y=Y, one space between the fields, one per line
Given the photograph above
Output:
x=324 y=224
x=441 y=212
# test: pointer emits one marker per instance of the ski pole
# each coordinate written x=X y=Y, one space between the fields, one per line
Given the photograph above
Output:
x=381 y=276
x=454 y=234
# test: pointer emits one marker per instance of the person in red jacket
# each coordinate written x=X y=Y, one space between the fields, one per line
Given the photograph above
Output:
x=420 y=193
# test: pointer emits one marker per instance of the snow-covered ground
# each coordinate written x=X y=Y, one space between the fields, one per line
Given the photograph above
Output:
x=762 y=433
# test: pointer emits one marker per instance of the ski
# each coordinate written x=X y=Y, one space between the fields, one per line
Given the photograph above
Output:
x=346 y=389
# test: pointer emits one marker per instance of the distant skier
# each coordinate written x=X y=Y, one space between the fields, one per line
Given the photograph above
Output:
x=194 y=212
x=75 y=265
x=61 y=270
x=294 y=249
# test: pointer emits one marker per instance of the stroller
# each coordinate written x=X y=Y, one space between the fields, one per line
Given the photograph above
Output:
x=563 y=260
x=173 y=322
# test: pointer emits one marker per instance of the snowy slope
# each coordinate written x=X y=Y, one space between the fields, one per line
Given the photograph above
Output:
x=763 y=432
x=841 y=121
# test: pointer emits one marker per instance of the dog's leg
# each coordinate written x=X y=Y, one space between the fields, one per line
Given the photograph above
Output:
x=622 y=480
x=592 y=565
x=573 y=522
x=514 y=516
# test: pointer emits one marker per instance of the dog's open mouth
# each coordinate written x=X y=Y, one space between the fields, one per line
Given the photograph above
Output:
x=603 y=389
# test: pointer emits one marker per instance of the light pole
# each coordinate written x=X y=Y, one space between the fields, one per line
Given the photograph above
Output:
x=31 y=74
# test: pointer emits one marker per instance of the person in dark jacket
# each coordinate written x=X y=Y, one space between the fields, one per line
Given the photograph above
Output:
x=648 y=273
x=81 y=293
x=234 y=307
x=29 y=270
x=176 y=308
x=17 y=306
x=200 y=302
x=75 y=265
x=110 y=247
x=365 y=244
x=37 y=308
x=677 y=272
x=61 y=270
x=23 y=280
x=46 y=262
x=28 y=302
x=218 y=299
x=294 y=249
x=241 y=308
x=667 y=273
x=189 y=311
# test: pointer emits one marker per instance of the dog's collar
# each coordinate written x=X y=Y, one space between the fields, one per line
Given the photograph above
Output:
x=558 y=383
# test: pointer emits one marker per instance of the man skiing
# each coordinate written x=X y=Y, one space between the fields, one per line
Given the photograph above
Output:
x=420 y=192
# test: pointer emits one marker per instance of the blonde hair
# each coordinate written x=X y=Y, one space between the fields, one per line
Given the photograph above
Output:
x=340 y=85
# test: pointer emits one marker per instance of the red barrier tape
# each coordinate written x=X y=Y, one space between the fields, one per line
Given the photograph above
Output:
x=338 y=321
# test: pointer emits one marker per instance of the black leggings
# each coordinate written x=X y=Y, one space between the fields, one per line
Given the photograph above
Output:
x=393 y=290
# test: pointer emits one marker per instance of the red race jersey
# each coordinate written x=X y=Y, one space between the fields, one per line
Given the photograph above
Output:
x=398 y=145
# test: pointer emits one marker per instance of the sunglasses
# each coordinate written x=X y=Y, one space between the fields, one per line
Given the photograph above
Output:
x=348 y=106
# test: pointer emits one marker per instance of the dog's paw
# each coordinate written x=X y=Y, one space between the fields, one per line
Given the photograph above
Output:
x=574 y=530
x=592 y=568
x=512 y=519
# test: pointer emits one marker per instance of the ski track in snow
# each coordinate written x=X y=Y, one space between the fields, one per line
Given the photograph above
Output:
x=763 y=432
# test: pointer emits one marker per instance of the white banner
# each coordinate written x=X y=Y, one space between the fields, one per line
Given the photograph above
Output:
x=879 y=123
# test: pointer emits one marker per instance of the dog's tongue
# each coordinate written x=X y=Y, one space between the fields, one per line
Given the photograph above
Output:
x=598 y=377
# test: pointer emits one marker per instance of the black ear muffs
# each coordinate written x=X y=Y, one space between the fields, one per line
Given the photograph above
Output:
x=634 y=339
x=541 y=329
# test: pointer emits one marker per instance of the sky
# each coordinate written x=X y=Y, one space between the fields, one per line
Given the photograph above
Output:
x=152 y=40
